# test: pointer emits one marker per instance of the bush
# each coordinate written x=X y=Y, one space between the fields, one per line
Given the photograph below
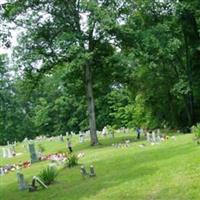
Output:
x=196 y=131
x=48 y=175
x=72 y=160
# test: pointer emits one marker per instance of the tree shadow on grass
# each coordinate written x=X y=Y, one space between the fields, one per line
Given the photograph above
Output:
x=107 y=142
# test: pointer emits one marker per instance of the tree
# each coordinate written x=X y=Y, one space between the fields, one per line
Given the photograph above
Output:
x=63 y=33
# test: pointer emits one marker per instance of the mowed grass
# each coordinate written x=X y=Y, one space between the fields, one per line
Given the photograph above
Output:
x=170 y=170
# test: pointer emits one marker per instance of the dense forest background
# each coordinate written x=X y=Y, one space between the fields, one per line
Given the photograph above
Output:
x=142 y=59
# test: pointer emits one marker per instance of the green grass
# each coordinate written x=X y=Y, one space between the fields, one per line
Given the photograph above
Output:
x=170 y=170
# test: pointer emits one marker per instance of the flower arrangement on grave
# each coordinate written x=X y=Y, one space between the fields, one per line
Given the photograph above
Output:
x=26 y=164
x=54 y=157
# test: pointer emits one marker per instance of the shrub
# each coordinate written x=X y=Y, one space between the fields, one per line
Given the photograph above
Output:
x=48 y=175
x=196 y=131
x=72 y=160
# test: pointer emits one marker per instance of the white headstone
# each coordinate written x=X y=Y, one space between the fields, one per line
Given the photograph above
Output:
x=148 y=137
x=104 y=131
x=1 y=171
x=153 y=137
x=4 y=153
x=158 y=139
x=10 y=155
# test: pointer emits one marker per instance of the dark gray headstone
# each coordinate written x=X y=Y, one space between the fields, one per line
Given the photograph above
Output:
x=92 y=173
x=21 y=181
x=83 y=171
x=32 y=152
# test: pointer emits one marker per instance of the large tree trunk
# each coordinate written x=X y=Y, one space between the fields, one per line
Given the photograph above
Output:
x=90 y=102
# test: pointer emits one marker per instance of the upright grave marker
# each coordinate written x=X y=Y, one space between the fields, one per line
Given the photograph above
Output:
x=9 y=153
x=32 y=152
x=61 y=138
x=21 y=181
x=5 y=155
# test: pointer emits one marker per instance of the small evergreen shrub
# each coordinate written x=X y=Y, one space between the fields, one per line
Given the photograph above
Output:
x=72 y=160
x=196 y=131
x=48 y=175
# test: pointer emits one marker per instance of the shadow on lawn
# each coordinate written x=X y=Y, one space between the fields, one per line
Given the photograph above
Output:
x=107 y=142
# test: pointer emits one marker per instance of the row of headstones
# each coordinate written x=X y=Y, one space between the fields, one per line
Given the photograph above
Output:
x=104 y=132
x=8 y=152
x=82 y=136
x=153 y=137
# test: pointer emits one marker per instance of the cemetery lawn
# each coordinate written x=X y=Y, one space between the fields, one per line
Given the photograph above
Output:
x=170 y=171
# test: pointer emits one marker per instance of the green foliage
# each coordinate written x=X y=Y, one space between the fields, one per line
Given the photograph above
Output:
x=196 y=132
x=72 y=160
x=48 y=175
x=143 y=58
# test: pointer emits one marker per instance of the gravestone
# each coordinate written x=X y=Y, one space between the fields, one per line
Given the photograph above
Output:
x=38 y=180
x=153 y=137
x=32 y=152
x=148 y=137
x=61 y=138
x=9 y=153
x=92 y=173
x=83 y=171
x=13 y=150
x=127 y=142
x=104 y=131
x=67 y=134
x=158 y=139
x=33 y=187
x=21 y=181
x=5 y=155
x=1 y=171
